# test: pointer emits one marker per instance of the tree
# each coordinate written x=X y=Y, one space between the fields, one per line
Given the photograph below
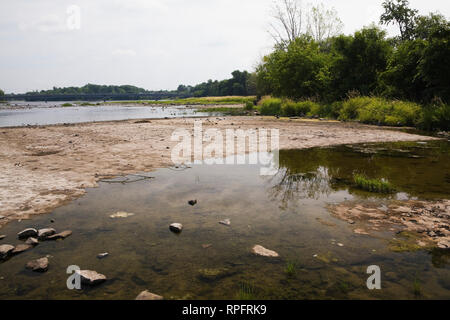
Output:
x=2 y=93
x=358 y=61
x=398 y=12
x=323 y=23
x=300 y=71
x=288 y=22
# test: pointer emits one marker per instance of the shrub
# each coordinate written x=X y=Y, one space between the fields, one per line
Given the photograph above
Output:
x=304 y=107
x=249 y=106
x=289 y=109
x=350 y=107
x=270 y=107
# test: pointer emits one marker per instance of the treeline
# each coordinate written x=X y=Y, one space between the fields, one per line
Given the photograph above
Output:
x=414 y=66
x=242 y=83
x=92 y=89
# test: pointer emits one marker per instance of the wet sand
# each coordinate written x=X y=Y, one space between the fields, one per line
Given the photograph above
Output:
x=45 y=167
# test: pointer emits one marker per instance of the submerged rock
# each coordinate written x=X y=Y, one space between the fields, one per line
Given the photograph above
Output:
x=43 y=234
x=176 y=227
x=30 y=232
x=214 y=274
x=38 y=265
x=146 y=295
x=21 y=248
x=121 y=214
x=2 y=236
x=5 y=250
x=90 y=277
x=261 y=251
x=32 y=241
x=61 y=235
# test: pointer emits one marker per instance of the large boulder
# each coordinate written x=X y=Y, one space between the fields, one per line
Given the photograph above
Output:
x=38 y=265
x=146 y=295
x=91 y=278
x=25 y=234
x=5 y=250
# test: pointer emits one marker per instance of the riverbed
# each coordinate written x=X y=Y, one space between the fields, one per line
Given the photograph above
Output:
x=320 y=256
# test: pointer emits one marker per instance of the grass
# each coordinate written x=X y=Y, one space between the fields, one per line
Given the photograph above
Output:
x=246 y=292
x=372 y=185
x=291 y=269
x=67 y=105
x=417 y=288
x=230 y=100
x=225 y=110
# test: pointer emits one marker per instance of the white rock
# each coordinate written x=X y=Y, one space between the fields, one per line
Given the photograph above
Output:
x=5 y=250
x=176 y=227
x=225 y=222
x=261 y=251
x=146 y=295
x=45 y=233
x=91 y=278
x=39 y=265
x=30 y=232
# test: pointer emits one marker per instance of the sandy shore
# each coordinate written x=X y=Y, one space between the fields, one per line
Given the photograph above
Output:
x=44 y=167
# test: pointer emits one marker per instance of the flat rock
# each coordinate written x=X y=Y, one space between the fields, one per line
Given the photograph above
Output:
x=45 y=233
x=21 y=248
x=261 y=251
x=176 y=227
x=32 y=241
x=2 y=217
x=2 y=236
x=444 y=244
x=214 y=274
x=39 y=265
x=25 y=234
x=146 y=295
x=61 y=235
x=5 y=250
x=121 y=214
x=90 y=277
x=226 y=222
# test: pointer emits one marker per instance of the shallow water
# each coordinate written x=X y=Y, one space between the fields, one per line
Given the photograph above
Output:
x=29 y=113
x=285 y=213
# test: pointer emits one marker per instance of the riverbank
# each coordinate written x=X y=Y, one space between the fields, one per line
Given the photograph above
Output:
x=45 y=167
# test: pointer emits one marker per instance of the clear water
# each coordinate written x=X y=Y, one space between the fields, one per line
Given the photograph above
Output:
x=284 y=213
x=34 y=113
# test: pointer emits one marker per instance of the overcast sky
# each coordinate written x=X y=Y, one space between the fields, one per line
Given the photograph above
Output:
x=154 y=44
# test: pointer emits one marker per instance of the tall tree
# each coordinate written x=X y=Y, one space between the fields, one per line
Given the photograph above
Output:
x=288 y=25
x=323 y=23
x=398 y=12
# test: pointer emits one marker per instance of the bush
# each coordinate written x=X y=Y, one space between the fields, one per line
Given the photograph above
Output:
x=349 y=110
x=249 y=106
x=435 y=117
x=304 y=107
x=270 y=107
x=289 y=109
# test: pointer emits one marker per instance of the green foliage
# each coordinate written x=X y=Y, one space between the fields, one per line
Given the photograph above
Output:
x=2 y=93
x=246 y=292
x=358 y=62
x=435 y=116
x=249 y=106
x=398 y=12
x=291 y=269
x=271 y=107
x=299 y=71
x=67 y=105
x=372 y=185
x=374 y=110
